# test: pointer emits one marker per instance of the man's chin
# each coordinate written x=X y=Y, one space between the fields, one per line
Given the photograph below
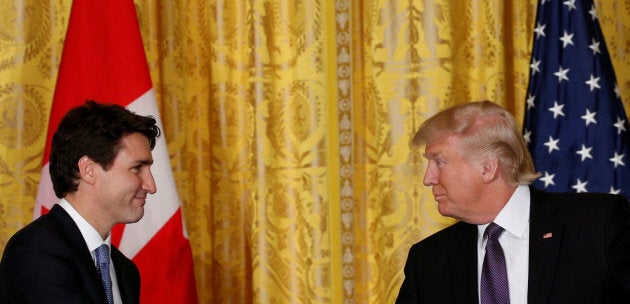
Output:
x=138 y=216
x=444 y=210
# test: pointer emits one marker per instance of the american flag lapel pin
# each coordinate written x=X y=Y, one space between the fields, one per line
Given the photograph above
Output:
x=547 y=235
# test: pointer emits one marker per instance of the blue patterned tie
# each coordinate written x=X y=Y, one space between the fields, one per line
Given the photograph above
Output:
x=102 y=262
x=494 y=281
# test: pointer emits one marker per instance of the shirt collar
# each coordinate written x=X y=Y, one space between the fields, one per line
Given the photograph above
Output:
x=90 y=234
x=514 y=217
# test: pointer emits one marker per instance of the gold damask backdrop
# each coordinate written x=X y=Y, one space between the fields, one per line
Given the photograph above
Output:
x=287 y=123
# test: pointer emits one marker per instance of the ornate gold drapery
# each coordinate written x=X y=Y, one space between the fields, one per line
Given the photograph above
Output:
x=287 y=123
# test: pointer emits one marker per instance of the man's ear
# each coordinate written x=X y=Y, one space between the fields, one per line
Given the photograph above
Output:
x=87 y=171
x=490 y=168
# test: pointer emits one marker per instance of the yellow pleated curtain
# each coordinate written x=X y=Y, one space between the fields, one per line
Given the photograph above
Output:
x=288 y=123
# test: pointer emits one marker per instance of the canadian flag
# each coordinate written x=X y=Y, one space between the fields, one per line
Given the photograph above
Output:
x=103 y=59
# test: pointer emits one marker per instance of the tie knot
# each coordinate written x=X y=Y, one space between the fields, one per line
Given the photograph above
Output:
x=102 y=254
x=493 y=231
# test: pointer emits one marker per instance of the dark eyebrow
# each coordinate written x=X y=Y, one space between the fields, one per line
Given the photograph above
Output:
x=144 y=162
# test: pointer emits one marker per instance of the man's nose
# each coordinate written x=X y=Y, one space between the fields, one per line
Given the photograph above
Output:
x=429 y=176
x=148 y=184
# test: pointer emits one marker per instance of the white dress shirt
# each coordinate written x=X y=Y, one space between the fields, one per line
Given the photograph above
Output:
x=514 y=218
x=93 y=240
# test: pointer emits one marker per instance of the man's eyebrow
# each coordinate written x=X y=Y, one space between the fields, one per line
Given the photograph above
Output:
x=144 y=162
x=432 y=154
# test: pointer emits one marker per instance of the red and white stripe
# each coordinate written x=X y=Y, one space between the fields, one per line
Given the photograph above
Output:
x=103 y=59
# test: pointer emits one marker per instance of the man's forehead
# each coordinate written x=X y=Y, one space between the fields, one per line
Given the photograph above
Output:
x=439 y=148
x=136 y=147
x=433 y=151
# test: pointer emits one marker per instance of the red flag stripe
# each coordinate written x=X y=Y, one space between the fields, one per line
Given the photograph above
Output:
x=181 y=285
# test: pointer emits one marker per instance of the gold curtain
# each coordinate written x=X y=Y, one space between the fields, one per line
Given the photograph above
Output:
x=287 y=123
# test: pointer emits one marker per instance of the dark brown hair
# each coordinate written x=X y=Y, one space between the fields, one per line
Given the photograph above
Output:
x=94 y=130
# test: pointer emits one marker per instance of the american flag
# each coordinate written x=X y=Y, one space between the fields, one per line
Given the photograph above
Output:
x=575 y=125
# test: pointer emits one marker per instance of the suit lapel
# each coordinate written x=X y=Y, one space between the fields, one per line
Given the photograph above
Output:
x=545 y=238
x=464 y=266
x=126 y=281
x=75 y=241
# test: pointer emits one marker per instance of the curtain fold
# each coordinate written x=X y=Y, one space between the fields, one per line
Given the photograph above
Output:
x=287 y=124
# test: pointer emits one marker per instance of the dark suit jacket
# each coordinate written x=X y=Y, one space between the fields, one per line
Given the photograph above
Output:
x=586 y=260
x=48 y=261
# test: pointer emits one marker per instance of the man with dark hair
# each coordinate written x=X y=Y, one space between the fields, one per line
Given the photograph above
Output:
x=100 y=163
x=513 y=244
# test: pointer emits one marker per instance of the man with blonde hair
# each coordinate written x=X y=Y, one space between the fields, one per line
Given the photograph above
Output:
x=513 y=243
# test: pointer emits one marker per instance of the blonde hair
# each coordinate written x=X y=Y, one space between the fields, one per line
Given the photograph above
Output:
x=484 y=129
